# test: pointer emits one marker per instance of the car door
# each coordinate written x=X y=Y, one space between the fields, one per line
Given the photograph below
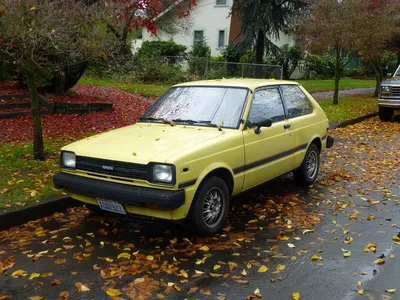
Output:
x=301 y=114
x=270 y=152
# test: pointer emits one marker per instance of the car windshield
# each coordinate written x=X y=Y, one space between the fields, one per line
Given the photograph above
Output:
x=200 y=105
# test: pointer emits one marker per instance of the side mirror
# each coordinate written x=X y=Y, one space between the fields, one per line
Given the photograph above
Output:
x=261 y=123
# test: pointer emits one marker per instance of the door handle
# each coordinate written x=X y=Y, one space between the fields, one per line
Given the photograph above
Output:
x=286 y=126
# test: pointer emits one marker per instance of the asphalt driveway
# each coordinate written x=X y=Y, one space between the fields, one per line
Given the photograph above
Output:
x=336 y=240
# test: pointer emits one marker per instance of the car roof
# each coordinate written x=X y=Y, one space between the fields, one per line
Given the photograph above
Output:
x=239 y=82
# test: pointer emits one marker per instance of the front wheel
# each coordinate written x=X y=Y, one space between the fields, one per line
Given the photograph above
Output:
x=308 y=171
x=210 y=207
x=385 y=113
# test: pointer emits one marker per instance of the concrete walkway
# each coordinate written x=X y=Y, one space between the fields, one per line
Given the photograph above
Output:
x=350 y=92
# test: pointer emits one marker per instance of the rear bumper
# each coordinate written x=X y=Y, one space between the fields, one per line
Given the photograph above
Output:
x=121 y=193
x=392 y=103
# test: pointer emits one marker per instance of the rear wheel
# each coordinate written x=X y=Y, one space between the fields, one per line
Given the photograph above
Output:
x=308 y=171
x=385 y=113
x=210 y=207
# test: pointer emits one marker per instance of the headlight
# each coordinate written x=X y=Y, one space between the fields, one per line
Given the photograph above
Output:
x=162 y=173
x=385 y=89
x=68 y=160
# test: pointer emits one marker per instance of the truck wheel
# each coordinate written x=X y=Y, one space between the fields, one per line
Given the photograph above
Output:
x=210 y=207
x=308 y=171
x=385 y=114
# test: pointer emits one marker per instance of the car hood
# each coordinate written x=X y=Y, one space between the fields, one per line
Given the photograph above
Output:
x=143 y=142
x=392 y=81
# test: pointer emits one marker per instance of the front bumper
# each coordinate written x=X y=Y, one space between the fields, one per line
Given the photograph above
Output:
x=392 y=103
x=121 y=193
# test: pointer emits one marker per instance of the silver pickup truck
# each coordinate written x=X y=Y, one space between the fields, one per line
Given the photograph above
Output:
x=389 y=96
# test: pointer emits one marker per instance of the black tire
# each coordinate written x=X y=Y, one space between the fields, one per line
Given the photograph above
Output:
x=308 y=171
x=385 y=114
x=212 y=192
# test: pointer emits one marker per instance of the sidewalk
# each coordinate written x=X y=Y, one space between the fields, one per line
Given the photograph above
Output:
x=350 y=92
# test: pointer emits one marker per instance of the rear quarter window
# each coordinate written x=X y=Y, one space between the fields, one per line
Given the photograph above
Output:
x=297 y=104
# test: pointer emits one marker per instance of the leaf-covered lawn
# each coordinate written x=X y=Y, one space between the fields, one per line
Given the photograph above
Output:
x=349 y=107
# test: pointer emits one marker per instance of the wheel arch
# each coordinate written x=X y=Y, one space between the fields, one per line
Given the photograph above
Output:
x=221 y=171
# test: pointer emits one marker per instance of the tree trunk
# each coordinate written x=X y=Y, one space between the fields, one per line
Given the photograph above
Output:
x=337 y=77
x=38 y=148
x=260 y=53
x=378 y=75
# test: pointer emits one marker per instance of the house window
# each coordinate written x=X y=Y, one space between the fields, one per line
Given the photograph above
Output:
x=221 y=38
x=198 y=36
x=221 y=2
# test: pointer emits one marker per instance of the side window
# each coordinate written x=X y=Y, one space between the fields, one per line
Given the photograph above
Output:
x=267 y=104
x=296 y=102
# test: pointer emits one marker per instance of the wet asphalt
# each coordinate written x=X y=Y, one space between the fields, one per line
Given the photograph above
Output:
x=349 y=92
x=279 y=225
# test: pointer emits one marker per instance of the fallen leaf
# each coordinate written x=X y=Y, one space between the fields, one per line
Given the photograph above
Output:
x=124 y=255
x=150 y=257
x=290 y=245
x=396 y=238
x=315 y=257
x=391 y=291
x=348 y=240
x=280 y=267
x=60 y=261
x=199 y=272
x=262 y=269
x=216 y=267
x=308 y=231
x=244 y=273
x=113 y=293
x=361 y=292
x=64 y=294
x=379 y=261
x=35 y=298
x=34 y=275
x=296 y=296
x=347 y=254
x=257 y=293
x=192 y=290
x=205 y=292
x=204 y=248
x=18 y=273
x=55 y=282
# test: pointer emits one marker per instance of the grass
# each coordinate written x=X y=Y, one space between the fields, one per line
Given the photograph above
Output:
x=24 y=180
x=349 y=107
x=313 y=86
x=156 y=90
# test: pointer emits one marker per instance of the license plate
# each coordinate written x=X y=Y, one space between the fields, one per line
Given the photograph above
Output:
x=112 y=206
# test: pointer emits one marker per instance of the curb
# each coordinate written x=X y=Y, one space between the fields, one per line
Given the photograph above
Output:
x=351 y=121
x=34 y=211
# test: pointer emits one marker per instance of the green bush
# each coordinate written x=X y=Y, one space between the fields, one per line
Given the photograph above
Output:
x=156 y=70
x=160 y=48
x=6 y=72
x=318 y=67
x=286 y=56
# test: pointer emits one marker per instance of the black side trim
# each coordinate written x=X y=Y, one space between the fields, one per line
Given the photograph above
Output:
x=187 y=183
x=301 y=147
x=122 y=193
x=268 y=159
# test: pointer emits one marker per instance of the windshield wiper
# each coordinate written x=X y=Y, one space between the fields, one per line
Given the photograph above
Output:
x=156 y=119
x=208 y=123
x=185 y=121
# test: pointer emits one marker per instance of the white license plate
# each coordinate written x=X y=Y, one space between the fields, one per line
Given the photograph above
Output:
x=112 y=206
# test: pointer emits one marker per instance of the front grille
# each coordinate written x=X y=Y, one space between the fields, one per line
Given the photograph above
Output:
x=396 y=91
x=111 y=167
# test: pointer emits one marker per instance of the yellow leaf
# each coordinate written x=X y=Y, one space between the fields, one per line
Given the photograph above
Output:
x=315 y=257
x=177 y=288
x=308 y=231
x=33 y=8
x=124 y=255
x=379 y=261
x=297 y=238
x=347 y=254
x=361 y=292
x=296 y=296
x=348 y=240
x=396 y=238
x=150 y=257
x=291 y=245
x=184 y=273
x=173 y=241
x=232 y=265
x=86 y=255
x=57 y=250
x=262 y=269
x=113 y=293
x=19 y=273
x=346 y=231
x=217 y=267
x=280 y=267
x=359 y=283
x=391 y=291
x=244 y=273
x=391 y=255
x=107 y=259
x=204 y=248
x=248 y=266
x=198 y=272
x=205 y=292
x=34 y=275
x=284 y=238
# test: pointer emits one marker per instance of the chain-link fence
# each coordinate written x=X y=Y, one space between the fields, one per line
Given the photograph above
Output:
x=203 y=68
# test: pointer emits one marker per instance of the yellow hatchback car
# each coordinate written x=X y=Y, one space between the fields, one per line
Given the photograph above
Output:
x=198 y=146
